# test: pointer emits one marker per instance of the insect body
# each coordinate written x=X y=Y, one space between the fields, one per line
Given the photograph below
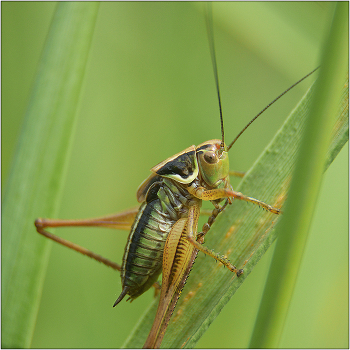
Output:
x=174 y=191
x=170 y=199
x=176 y=185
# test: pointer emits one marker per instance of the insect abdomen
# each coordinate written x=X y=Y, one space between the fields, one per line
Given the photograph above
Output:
x=142 y=261
x=166 y=202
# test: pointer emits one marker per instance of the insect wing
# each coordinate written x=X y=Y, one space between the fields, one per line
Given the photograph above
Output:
x=141 y=193
x=182 y=167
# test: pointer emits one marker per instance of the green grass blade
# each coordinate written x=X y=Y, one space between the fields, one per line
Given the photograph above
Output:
x=295 y=224
x=36 y=175
x=247 y=229
x=243 y=232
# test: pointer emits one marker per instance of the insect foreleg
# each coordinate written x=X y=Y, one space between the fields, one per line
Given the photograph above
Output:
x=236 y=173
x=193 y=216
x=268 y=207
x=210 y=195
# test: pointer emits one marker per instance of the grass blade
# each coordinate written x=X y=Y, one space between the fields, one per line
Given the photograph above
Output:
x=247 y=229
x=295 y=224
x=37 y=172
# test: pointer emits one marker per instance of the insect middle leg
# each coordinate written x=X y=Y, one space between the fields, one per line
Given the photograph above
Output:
x=212 y=195
x=193 y=216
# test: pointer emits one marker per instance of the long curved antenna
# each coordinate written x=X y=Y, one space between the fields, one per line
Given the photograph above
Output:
x=271 y=103
x=210 y=32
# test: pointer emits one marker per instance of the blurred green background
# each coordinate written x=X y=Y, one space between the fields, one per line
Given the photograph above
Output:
x=148 y=93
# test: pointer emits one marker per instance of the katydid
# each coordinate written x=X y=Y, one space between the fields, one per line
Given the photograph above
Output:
x=164 y=227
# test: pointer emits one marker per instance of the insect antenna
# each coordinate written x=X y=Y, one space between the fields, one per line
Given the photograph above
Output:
x=271 y=103
x=210 y=32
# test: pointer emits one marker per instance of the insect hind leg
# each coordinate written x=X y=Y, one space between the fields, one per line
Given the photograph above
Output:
x=40 y=224
x=122 y=221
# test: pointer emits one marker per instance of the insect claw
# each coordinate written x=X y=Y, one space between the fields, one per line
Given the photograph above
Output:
x=239 y=272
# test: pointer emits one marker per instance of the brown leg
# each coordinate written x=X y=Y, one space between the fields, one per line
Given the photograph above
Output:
x=193 y=215
x=210 y=195
x=268 y=207
x=236 y=173
x=123 y=221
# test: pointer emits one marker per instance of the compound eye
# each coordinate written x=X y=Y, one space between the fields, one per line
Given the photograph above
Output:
x=210 y=157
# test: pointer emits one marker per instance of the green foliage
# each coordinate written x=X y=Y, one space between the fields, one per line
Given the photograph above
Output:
x=149 y=93
x=36 y=176
x=295 y=225
x=250 y=231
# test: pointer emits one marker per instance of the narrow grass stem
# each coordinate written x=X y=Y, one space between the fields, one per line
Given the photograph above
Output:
x=294 y=227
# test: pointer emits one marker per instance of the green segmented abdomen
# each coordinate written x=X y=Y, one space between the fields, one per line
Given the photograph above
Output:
x=142 y=261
